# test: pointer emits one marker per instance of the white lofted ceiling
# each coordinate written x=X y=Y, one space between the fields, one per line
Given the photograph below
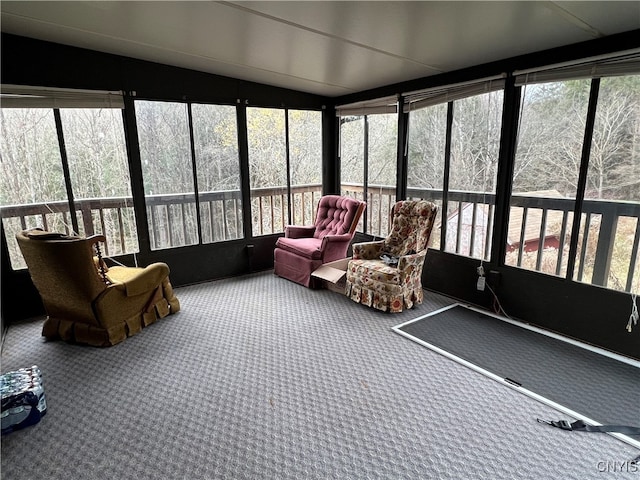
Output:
x=327 y=48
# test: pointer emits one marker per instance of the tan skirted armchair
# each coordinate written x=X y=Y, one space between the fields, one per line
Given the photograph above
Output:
x=303 y=249
x=387 y=274
x=86 y=301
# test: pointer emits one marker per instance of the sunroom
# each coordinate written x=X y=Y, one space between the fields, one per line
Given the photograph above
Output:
x=531 y=153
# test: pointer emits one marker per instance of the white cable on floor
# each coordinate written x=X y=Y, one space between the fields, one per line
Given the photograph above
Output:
x=633 y=318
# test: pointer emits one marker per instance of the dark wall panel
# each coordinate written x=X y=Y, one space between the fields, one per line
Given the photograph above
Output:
x=200 y=263
x=18 y=297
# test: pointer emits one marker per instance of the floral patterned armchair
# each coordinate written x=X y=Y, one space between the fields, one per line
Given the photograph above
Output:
x=373 y=276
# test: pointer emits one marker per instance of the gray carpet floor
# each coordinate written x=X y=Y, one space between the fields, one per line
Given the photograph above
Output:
x=259 y=378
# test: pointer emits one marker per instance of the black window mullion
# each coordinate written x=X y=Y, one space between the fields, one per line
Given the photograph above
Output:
x=288 y=162
x=402 y=166
x=365 y=178
x=245 y=184
x=445 y=179
x=331 y=181
x=506 y=162
x=194 y=168
x=135 y=173
x=65 y=170
x=582 y=178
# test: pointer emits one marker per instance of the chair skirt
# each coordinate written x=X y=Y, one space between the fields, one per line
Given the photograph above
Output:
x=294 y=267
x=377 y=285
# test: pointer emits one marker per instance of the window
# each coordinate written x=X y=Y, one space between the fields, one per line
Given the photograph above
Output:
x=285 y=167
x=352 y=148
x=165 y=153
x=97 y=157
x=47 y=132
x=425 y=159
x=462 y=179
x=368 y=165
x=168 y=166
x=608 y=246
x=475 y=141
x=577 y=203
x=215 y=135
x=268 y=169
x=545 y=179
x=305 y=164
x=33 y=186
x=381 y=172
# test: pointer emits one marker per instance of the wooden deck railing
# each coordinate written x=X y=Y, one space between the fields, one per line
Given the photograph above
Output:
x=600 y=233
x=172 y=222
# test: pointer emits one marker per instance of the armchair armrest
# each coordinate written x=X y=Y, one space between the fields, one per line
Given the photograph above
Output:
x=345 y=237
x=299 y=231
x=368 y=250
x=137 y=281
x=96 y=238
x=414 y=260
x=334 y=247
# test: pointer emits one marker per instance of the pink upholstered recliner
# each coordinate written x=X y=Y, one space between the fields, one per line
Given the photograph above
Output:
x=304 y=248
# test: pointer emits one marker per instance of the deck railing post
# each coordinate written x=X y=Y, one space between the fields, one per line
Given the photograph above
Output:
x=604 y=249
